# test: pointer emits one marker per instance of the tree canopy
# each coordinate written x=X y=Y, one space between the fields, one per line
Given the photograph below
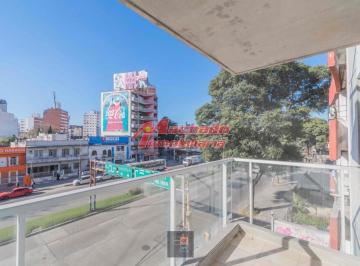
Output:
x=265 y=109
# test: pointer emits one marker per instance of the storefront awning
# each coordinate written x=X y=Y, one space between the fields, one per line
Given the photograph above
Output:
x=244 y=35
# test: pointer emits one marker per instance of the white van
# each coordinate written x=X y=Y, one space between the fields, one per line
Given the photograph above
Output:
x=191 y=160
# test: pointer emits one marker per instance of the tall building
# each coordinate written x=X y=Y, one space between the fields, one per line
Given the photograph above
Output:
x=91 y=124
x=57 y=119
x=3 y=105
x=8 y=123
x=143 y=106
x=33 y=122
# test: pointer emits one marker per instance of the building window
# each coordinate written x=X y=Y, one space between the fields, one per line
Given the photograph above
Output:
x=65 y=152
x=109 y=153
x=104 y=152
x=76 y=151
x=13 y=161
x=52 y=153
x=119 y=148
x=76 y=166
x=38 y=153
x=93 y=153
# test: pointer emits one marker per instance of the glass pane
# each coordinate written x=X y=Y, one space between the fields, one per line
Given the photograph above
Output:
x=7 y=240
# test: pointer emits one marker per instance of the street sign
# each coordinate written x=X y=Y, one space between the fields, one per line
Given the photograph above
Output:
x=161 y=182
x=118 y=170
x=126 y=171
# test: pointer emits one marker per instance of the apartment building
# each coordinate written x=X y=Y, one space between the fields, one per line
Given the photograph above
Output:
x=143 y=108
x=57 y=119
x=8 y=119
x=91 y=125
x=34 y=122
x=48 y=155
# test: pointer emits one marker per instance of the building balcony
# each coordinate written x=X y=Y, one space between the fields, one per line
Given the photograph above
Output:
x=143 y=117
x=51 y=159
x=241 y=212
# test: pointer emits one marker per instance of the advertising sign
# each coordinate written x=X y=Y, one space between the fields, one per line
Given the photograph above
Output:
x=115 y=113
x=3 y=161
x=96 y=140
x=146 y=131
x=130 y=80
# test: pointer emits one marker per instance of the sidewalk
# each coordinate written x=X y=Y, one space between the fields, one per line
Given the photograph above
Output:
x=45 y=184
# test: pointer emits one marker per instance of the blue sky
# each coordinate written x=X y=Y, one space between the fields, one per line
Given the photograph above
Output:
x=74 y=47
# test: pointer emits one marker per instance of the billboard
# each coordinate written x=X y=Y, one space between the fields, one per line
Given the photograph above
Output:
x=115 y=113
x=115 y=140
x=130 y=80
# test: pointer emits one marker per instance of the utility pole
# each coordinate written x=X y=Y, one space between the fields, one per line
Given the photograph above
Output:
x=92 y=183
x=186 y=204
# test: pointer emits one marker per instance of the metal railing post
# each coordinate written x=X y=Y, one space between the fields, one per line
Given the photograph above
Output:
x=20 y=239
x=224 y=194
x=172 y=213
x=342 y=214
x=251 y=191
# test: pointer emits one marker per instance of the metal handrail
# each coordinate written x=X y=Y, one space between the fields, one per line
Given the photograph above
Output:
x=29 y=205
x=297 y=164
x=21 y=209
x=25 y=205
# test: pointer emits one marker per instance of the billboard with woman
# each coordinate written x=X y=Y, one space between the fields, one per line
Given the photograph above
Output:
x=115 y=113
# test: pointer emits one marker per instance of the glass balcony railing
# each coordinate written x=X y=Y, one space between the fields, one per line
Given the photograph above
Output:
x=126 y=222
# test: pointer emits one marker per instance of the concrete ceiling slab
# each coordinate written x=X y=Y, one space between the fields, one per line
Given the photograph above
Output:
x=244 y=35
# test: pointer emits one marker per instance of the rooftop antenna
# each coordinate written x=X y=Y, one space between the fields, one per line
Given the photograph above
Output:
x=54 y=95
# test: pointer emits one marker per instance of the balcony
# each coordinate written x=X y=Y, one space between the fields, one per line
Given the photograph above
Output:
x=242 y=212
x=52 y=159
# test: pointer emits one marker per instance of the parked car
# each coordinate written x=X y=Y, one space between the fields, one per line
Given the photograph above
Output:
x=100 y=178
x=16 y=192
x=83 y=179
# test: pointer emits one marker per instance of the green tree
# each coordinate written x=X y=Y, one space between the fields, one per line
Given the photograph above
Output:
x=50 y=131
x=315 y=134
x=265 y=110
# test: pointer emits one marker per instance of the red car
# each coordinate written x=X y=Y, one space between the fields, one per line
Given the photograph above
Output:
x=16 y=192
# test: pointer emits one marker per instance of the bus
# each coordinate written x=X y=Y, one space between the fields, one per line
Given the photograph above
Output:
x=156 y=165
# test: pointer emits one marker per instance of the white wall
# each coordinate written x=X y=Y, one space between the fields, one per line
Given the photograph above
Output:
x=353 y=100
